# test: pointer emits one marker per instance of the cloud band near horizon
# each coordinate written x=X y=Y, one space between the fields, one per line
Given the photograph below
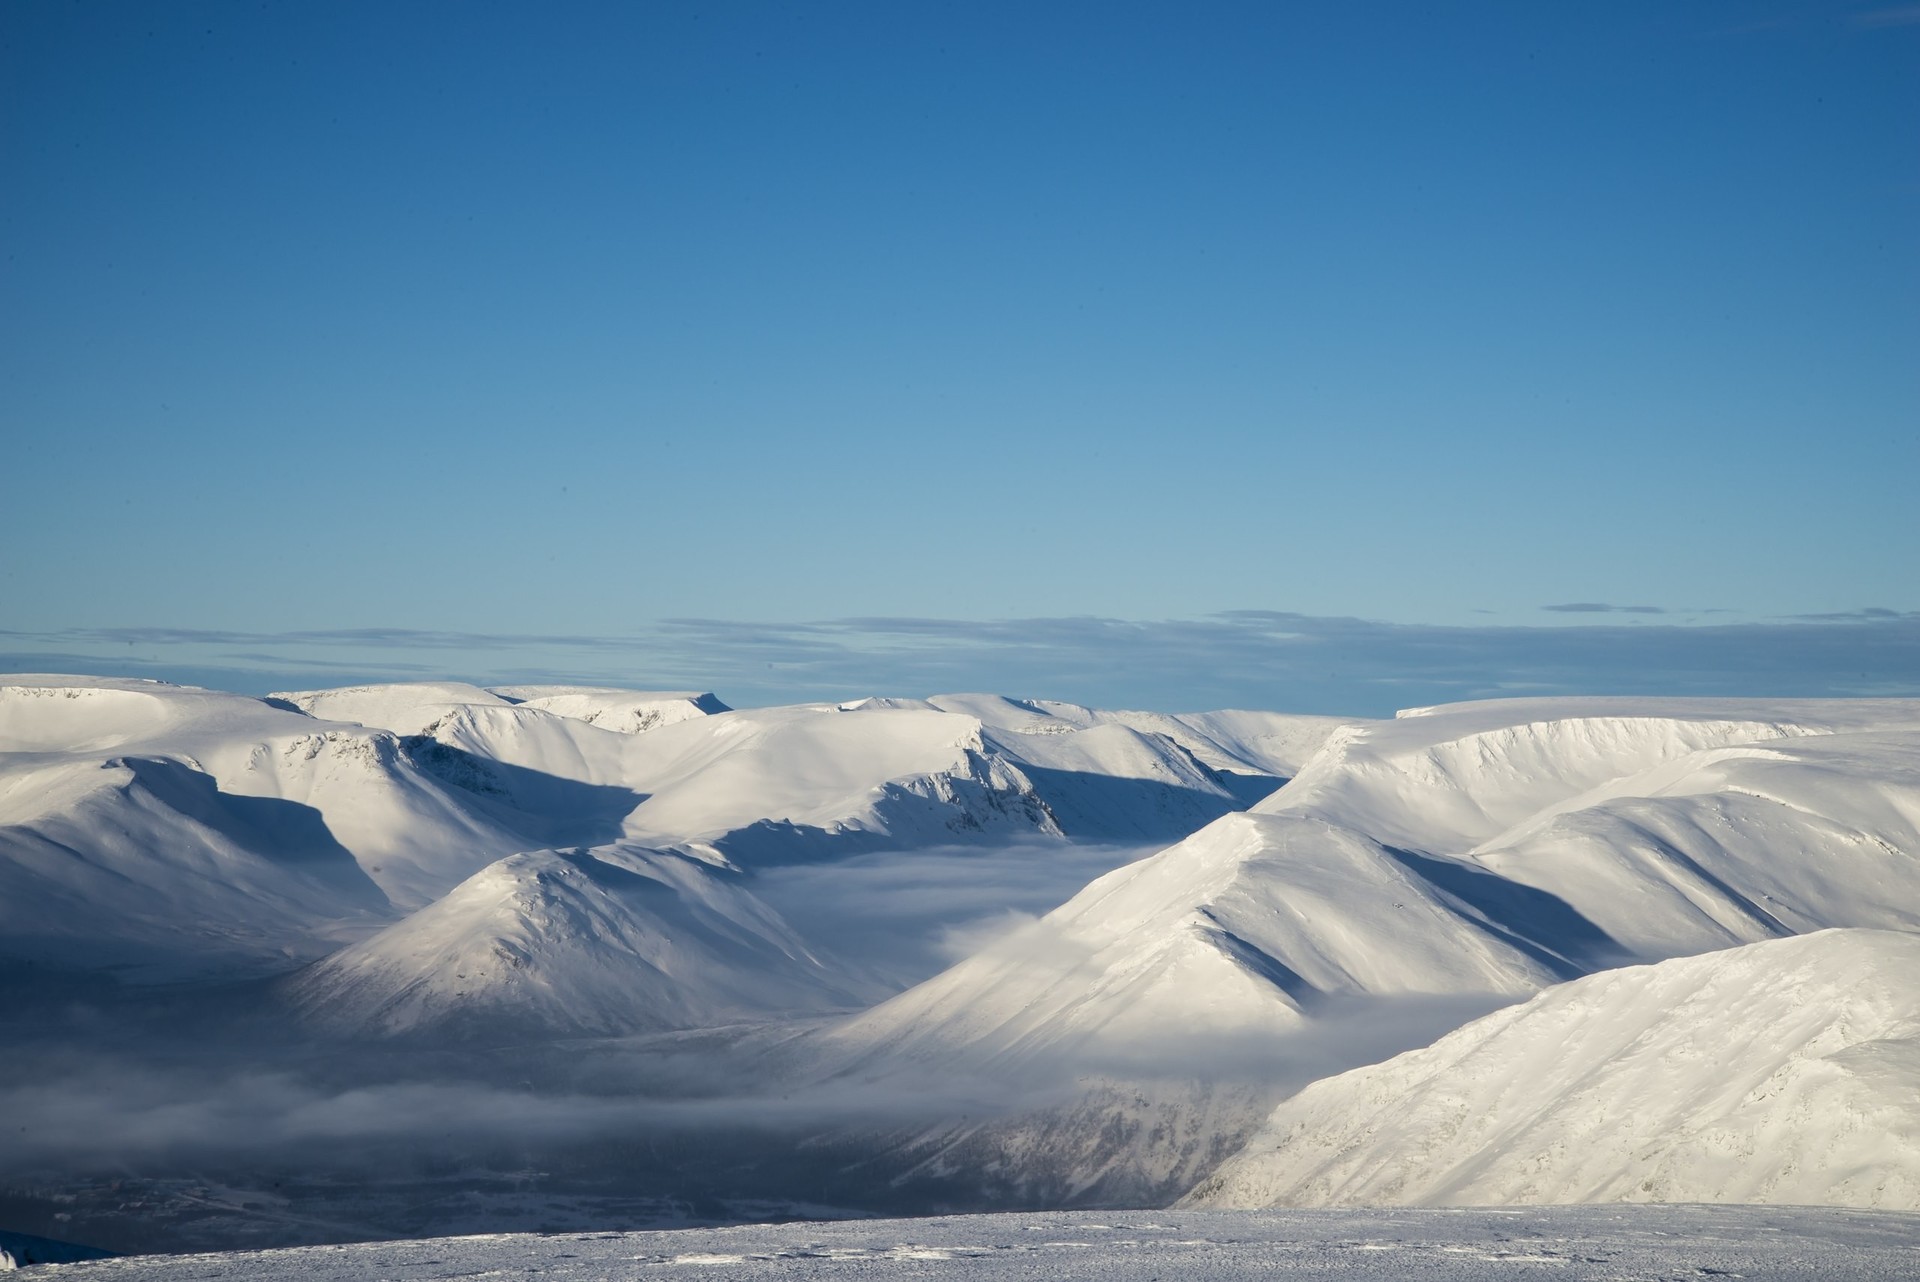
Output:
x=1241 y=658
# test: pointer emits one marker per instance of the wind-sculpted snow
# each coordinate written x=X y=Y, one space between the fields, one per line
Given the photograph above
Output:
x=1567 y=1244
x=1785 y=1072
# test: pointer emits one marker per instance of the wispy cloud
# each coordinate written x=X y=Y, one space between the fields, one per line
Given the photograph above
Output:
x=1601 y=607
x=1872 y=613
x=405 y=638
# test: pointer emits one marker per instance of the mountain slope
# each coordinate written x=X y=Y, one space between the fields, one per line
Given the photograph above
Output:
x=1274 y=744
x=181 y=831
x=775 y=784
x=139 y=819
x=144 y=866
x=1450 y=854
x=813 y=781
x=600 y=942
x=1415 y=872
x=1786 y=1071
x=1234 y=933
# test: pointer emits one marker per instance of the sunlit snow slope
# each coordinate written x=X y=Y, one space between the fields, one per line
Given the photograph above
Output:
x=1484 y=850
x=574 y=942
x=1786 y=1071
x=170 y=831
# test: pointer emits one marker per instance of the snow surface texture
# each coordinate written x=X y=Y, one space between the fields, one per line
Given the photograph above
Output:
x=1785 y=1072
x=1567 y=1244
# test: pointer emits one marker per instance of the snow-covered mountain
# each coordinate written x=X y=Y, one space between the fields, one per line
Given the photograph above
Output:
x=1480 y=851
x=165 y=831
x=170 y=831
x=1233 y=933
x=448 y=864
x=814 y=781
x=1786 y=1071
x=609 y=941
x=776 y=784
x=1416 y=873
x=1252 y=749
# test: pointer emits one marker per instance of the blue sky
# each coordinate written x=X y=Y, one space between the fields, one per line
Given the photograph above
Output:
x=639 y=342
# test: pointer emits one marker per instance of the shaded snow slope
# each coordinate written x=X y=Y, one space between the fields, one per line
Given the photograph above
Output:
x=604 y=941
x=1786 y=1071
x=144 y=865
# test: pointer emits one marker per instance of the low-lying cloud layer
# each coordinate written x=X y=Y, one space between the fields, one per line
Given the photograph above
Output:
x=1241 y=658
x=903 y=917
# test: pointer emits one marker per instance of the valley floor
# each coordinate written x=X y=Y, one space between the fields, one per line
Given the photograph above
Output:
x=1618 y=1243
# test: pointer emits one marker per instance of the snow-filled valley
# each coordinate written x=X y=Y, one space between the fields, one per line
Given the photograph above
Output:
x=428 y=959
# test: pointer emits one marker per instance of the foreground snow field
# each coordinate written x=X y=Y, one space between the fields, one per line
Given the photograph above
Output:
x=1566 y=1244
